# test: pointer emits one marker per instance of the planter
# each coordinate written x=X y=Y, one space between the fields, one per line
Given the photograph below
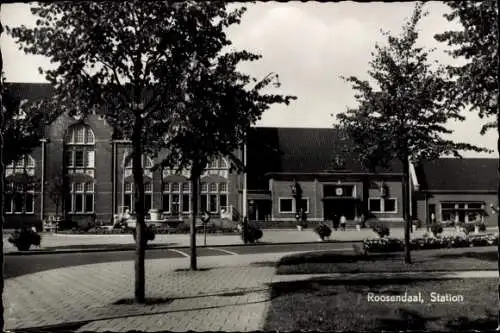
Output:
x=476 y=229
x=414 y=227
x=299 y=228
x=358 y=227
x=458 y=228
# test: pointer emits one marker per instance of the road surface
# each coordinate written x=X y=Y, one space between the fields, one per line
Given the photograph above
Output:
x=26 y=264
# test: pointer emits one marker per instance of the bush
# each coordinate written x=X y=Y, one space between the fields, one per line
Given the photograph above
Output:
x=323 y=231
x=67 y=225
x=253 y=234
x=24 y=238
x=436 y=229
x=381 y=230
x=468 y=228
x=482 y=227
x=383 y=245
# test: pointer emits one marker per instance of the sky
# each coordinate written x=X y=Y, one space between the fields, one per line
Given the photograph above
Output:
x=310 y=45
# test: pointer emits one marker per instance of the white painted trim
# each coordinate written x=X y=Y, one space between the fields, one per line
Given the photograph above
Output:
x=225 y=251
x=180 y=252
x=414 y=179
x=382 y=205
x=285 y=219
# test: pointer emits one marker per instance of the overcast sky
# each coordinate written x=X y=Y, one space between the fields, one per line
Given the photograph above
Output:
x=310 y=45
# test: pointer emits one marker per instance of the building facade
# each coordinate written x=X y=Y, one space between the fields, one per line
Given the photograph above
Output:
x=82 y=169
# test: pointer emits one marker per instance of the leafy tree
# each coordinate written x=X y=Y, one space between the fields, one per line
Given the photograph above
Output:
x=135 y=63
x=216 y=116
x=477 y=80
x=403 y=116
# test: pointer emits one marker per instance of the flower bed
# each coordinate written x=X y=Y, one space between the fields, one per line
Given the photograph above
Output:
x=395 y=245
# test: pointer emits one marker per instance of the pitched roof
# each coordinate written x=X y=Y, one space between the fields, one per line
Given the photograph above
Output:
x=294 y=150
x=455 y=174
x=30 y=91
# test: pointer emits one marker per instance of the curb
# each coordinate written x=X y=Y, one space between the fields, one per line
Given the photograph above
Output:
x=131 y=247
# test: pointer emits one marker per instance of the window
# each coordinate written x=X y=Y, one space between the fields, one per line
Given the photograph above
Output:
x=217 y=166
x=462 y=211
x=128 y=196
x=213 y=203
x=213 y=187
x=390 y=205
x=285 y=205
x=374 y=205
x=18 y=202
x=79 y=150
x=213 y=197
x=204 y=187
x=26 y=164
x=147 y=165
x=177 y=198
x=223 y=187
x=379 y=205
x=81 y=199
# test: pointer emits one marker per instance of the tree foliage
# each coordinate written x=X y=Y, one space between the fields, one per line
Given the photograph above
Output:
x=402 y=115
x=160 y=72
x=476 y=81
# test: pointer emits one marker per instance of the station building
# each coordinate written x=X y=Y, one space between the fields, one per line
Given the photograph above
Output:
x=83 y=168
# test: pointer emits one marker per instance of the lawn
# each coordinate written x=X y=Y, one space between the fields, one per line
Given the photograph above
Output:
x=457 y=259
x=332 y=305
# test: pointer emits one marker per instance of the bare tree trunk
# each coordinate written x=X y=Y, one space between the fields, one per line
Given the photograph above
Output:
x=406 y=210
x=195 y=177
x=140 y=273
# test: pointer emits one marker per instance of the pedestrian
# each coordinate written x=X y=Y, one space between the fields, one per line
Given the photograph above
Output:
x=335 y=221
x=343 y=222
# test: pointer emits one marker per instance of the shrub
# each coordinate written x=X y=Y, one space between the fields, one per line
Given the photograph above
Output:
x=468 y=228
x=24 y=238
x=323 y=231
x=253 y=234
x=436 y=229
x=67 y=225
x=482 y=226
x=381 y=230
x=383 y=245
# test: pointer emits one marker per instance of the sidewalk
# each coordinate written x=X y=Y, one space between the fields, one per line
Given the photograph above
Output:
x=229 y=293
x=80 y=242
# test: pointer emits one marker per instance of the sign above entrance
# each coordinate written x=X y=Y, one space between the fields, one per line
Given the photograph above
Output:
x=331 y=190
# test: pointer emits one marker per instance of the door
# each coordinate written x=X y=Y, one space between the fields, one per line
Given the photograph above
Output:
x=339 y=207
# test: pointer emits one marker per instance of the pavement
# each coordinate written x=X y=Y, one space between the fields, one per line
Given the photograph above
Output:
x=227 y=293
x=77 y=242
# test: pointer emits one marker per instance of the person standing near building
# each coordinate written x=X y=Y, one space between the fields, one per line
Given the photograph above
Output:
x=343 y=222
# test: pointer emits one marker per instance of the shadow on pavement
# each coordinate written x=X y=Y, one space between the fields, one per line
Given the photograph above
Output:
x=491 y=256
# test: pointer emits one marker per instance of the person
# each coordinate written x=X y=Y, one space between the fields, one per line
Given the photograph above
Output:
x=362 y=221
x=343 y=222
x=335 y=221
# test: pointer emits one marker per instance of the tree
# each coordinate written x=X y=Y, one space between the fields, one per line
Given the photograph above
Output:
x=402 y=118
x=217 y=113
x=477 y=81
x=130 y=61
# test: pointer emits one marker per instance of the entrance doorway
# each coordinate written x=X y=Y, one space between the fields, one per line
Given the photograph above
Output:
x=339 y=206
x=259 y=210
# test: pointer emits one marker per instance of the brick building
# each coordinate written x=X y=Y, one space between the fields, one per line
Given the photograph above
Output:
x=81 y=166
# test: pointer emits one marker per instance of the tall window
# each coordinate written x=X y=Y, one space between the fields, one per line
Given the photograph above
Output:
x=79 y=150
x=128 y=197
x=213 y=197
x=20 y=197
x=382 y=205
x=147 y=164
x=217 y=166
x=177 y=198
x=81 y=198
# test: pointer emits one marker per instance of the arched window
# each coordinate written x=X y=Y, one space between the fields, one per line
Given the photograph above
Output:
x=217 y=166
x=79 y=150
x=20 y=191
x=79 y=158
